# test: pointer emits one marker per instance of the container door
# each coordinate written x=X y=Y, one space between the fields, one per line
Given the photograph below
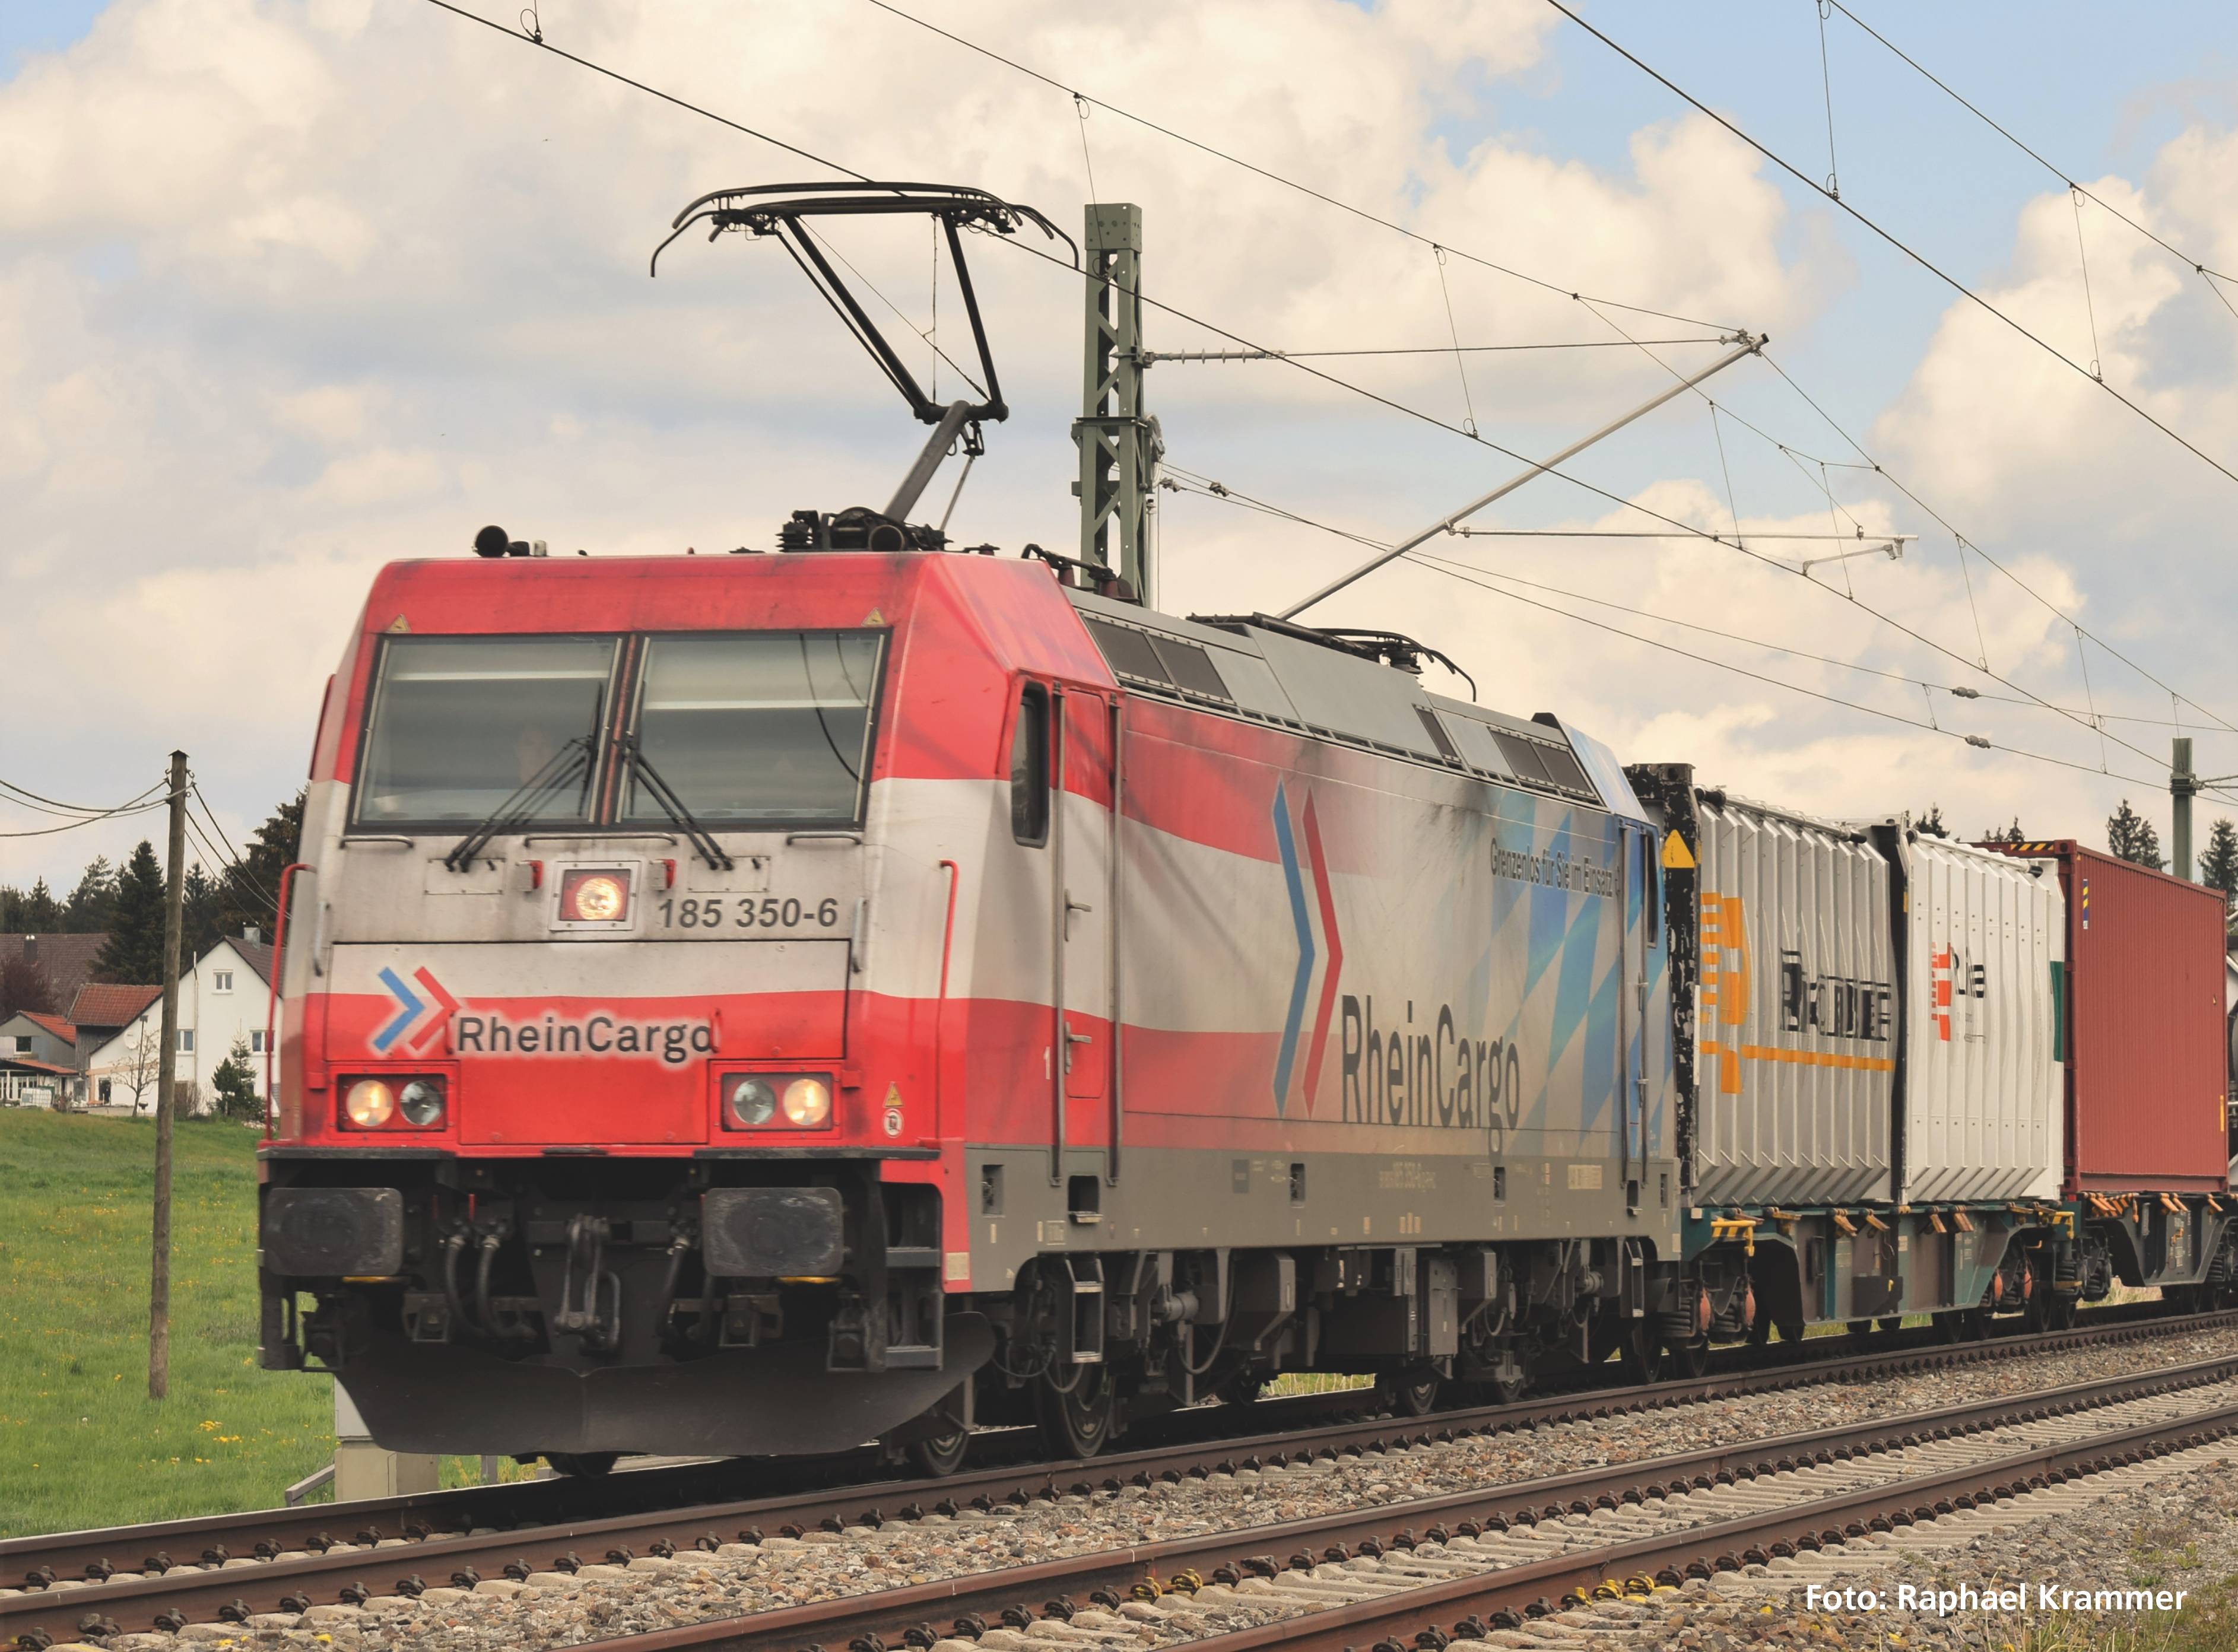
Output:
x=1632 y=1013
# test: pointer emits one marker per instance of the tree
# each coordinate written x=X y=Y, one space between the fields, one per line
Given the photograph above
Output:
x=35 y=913
x=1931 y=825
x=90 y=904
x=2005 y=834
x=204 y=899
x=134 y=952
x=24 y=986
x=234 y=1081
x=139 y=1062
x=2131 y=837
x=2218 y=866
x=250 y=890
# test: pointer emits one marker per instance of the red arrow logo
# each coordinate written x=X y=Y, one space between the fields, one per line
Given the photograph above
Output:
x=445 y=1007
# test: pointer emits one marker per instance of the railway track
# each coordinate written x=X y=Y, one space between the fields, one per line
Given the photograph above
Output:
x=239 y=1566
x=1364 y=1575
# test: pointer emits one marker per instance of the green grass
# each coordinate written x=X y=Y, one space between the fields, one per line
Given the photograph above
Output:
x=81 y=1444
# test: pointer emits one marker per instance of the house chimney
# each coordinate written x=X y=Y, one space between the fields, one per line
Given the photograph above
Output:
x=251 y=933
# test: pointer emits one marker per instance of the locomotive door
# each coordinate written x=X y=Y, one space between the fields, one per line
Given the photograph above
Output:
x=1080 y=836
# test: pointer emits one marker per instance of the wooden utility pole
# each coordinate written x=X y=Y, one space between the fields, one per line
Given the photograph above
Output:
x=159 y=1283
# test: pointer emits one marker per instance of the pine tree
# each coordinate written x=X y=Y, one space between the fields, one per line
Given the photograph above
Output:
x=41 y=913
x=23 y=986
x=204 y=900
x=2131 y=837
x=251 y=889
x=94 y=900
x=133 y=953
x=234 y=1082
x=1931 y=825
x=2218 y=866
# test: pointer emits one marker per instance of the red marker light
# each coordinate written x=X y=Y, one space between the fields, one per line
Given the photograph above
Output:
x=594 y=897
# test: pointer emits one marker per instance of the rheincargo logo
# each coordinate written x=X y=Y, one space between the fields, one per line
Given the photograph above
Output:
x=671 y=1043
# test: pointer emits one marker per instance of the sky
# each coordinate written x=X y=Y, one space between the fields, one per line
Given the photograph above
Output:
x=291 y=288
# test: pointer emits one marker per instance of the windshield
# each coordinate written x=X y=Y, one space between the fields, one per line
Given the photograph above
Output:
x=771 y=728
x=462 y=723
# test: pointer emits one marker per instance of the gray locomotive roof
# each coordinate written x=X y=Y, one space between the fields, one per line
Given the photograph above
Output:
x=1266 y=677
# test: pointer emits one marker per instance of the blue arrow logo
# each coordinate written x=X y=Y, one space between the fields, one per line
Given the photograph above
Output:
x=411 y=1007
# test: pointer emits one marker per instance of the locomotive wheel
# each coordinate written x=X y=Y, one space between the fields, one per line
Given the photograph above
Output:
x=582 y=1464
x=1860 y=1327
x=1889 y=1325
x=1760 y=1331
x=941 y=1455
x=1079 y=1421
x=1690 y=1357
x=1415 y=1393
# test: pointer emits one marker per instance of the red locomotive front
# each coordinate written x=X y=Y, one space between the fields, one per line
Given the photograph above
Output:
x=612 y=1089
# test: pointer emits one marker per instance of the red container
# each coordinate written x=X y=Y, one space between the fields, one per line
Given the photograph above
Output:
x=2147 y=1079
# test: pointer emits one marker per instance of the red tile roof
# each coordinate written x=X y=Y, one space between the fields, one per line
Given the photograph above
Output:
x=55 y=1024
x=106 y=1004
x=25 y=1063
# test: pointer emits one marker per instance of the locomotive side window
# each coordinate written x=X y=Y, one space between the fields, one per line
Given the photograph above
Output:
x=1190 y=667
x=1030 y=797
x=461 y=724
x=765 y=728
x=1129 y=652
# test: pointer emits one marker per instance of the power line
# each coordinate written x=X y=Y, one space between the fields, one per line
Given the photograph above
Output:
x=93 y=820
x=24 y=798
x=1153 y=356
x=537 y=40
x=1918 y=258
x=1230 y=496
x=235 y=861
x=2211 y=275
x=1331 y=379
x=1276 y=177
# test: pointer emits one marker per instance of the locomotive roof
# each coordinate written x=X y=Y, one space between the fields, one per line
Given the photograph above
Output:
x=1265 y=676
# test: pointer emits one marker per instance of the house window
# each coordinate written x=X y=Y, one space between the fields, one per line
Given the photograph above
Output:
x=221 y=981
x=22 y=1044
x=186 y=1041
x=256 y=1043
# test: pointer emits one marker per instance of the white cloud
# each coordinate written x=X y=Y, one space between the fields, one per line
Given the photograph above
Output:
x=291 y=289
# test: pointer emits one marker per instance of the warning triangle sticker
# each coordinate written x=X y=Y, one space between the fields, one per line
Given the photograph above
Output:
x=1675 y=857
x=893 y=1095
x=874 y=617
x=399 y=625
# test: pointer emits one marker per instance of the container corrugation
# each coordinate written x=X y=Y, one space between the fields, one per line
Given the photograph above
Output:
x=1796 y=1013
x=2148 y=1080
x=1983 y=1091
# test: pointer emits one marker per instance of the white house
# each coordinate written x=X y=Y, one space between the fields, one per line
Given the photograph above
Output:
x=225 y=996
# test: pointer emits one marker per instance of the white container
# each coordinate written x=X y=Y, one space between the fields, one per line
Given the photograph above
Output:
x=1984 y=1094
x=1796 y=1015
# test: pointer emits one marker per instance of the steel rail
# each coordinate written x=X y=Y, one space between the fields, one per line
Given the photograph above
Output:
x=816 y=1490
x=199 y=1594
x=898 y=1617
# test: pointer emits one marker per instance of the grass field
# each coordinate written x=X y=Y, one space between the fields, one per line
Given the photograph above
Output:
x=81 y=1444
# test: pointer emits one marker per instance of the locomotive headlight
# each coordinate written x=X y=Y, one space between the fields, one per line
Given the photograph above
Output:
x=594 y=897
x=750 y=1102
x=808 y=1103
x=422 y=1103
x=369 y=1104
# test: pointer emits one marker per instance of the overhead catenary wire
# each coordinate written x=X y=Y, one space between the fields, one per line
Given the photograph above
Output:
x=1896 y=242
x=1331 y=379
x=1472 y=576
x=1275 y=177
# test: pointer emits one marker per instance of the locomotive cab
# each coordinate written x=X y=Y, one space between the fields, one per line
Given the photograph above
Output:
x=614 y=990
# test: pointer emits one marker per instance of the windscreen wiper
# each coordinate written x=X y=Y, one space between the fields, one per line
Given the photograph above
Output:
x=564 y=765
x=672 y=806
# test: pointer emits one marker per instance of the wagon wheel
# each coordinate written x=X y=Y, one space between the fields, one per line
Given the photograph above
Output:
x=582 y=1464
x=1642 y=1349
x=1690 y=1357
x=1078 y=1421
x=941 y=1454
x=1414 y=1393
